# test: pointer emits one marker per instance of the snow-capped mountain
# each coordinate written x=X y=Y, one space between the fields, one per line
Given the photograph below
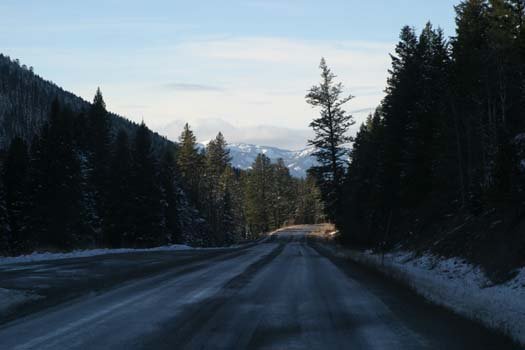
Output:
x=298 y=162
x=243 y=156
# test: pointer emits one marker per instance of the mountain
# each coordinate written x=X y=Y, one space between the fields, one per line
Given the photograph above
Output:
x=25 y=103
x=298 y=162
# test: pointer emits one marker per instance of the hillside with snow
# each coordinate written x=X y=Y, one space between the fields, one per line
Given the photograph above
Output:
x=243 y=155
x=298 y=162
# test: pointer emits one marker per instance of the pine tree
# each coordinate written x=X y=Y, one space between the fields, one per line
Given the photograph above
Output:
x=149 y=224
x=364 y=207
x=233 y=219
x=119 y=219
x=190 y=166
x=91 y=231
x=168 y=180
x=15 y=179
x=99 y=142
x=426 y=117
x=217 y=161
x=470 y=72
x=257 y=195
x=330 y=136
x=227 y=222
x=397 y=111
x=217 y=155
x=283 y=195
x=55 y=213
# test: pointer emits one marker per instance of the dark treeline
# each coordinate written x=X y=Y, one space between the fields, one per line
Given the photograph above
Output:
x=74 y=185
x=80 y=183
x=447 y=142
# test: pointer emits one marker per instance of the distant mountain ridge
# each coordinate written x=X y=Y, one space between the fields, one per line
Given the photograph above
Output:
x=244 y=154
x=298 y=162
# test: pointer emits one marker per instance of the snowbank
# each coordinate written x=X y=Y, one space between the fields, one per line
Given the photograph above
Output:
x=456 y=285
x=36 y=256
x=43 y=256
x=10 y=298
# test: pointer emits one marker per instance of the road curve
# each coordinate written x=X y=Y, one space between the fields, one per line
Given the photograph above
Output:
x=279 y=294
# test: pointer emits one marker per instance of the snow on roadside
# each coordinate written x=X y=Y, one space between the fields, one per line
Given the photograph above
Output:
x=10 y=298
x=458 y=286
x=37 y=256
x=44 y=256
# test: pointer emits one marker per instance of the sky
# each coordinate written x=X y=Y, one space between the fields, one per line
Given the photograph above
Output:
x=241 y=67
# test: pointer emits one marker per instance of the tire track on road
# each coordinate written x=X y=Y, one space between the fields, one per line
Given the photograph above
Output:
x=187 y=324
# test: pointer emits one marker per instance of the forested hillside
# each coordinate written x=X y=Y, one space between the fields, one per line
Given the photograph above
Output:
x=25 y=104
x=74 y=175
x=440 y=165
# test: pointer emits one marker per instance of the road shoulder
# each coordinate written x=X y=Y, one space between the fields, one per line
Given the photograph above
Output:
x=409 y=305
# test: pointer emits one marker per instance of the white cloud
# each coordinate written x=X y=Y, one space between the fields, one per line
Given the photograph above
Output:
x=245 y=81
x=291 y=51
x=267 y=79
x=278 y=5
x=191 y=87
x=266 y=135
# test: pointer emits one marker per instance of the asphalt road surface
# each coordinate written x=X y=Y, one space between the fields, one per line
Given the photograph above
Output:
x=285 y=292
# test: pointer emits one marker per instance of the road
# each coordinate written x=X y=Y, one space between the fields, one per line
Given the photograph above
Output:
x=282 y=293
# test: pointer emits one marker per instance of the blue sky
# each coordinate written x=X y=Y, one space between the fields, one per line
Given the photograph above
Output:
x=241 y=67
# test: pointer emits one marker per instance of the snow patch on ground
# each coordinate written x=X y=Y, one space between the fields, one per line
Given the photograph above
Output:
x=37 y=256
x=10 y=298
x=456 y=285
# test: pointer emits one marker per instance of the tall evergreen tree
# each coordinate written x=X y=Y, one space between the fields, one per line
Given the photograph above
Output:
x=233 y=218
x=470 y=72
x=257 y=195
x=119 y=219
x=190 y=164
x=218 y=215
x=282 y=195
x=55 y=213
x=99 y=142
x=217 y=155
x=330 y=136
x=426 y=117
x=364 y=206
x=149 y=224
x=168 y=180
